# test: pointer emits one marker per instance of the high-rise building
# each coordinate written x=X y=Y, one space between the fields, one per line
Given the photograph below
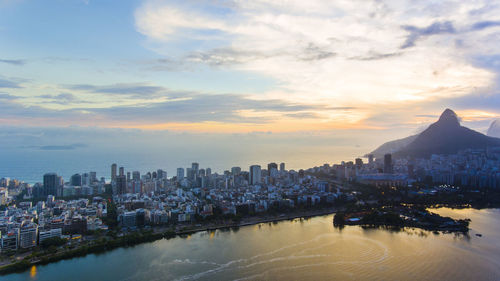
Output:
x=121 y=184
x=271 y=166
x=85 y=179
x=388 y=163
x=93 y=177
x=195 y=168
x=136 y=175
x=370 y=159
x=358 y=162
x=161 y=174
x=282 y=167
x=180 y=173
x=235 y=171
x=28 y=235
x=113 y=172
x=411 y=170
x=255 y=175
x=76 y=180
x=121 y=172
x=190 y=173
x=128 y=176
x=208 y=172
x=51 y=183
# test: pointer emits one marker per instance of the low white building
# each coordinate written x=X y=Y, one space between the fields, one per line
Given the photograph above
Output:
x=46 y=234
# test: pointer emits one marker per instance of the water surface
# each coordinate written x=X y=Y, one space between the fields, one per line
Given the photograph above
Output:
x=298 y=250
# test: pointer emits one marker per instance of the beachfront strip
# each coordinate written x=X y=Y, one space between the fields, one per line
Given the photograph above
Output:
x=43 y=214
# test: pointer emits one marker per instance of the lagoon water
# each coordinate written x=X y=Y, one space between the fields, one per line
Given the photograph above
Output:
x=298 y=250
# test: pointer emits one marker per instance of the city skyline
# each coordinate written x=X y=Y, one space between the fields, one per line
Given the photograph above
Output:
x=249 y=140
x=246 y=68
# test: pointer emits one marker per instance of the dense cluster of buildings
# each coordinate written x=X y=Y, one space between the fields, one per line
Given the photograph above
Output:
x=152 y=199
x=27 y=225
x=195 y=193
x=472 y=167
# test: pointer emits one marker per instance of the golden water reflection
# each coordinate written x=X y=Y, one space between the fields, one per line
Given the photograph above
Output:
x=33 y=272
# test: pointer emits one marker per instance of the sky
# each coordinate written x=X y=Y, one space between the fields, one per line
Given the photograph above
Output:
x=349 y=74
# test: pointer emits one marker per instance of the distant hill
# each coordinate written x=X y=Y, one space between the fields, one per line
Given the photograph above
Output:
x=392 y=146
x=446 y=136
x=494 y=130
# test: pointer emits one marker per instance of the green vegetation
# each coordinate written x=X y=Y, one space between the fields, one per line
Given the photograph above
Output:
x=92 y=247
x=53 y=241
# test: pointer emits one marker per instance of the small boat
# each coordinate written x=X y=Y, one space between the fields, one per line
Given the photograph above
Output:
x=479 y=235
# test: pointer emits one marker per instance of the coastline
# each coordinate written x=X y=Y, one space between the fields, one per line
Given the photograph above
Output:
x=140 y=238
x=158 y=233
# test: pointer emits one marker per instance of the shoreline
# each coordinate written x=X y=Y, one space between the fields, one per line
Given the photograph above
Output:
x=167 y=233
x=259 y=221
x=24 y=265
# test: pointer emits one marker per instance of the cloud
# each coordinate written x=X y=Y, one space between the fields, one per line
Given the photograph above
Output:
x=4 y=83
x=484 y=24
x=203 y=108
x=5 y=96
x=13 y=62
x=62 y=147
x=63 y=99
x=141 y=90
x=417 y=33
x=376 y=56
x=427 y=115
x=346 y=53
x=174 y=107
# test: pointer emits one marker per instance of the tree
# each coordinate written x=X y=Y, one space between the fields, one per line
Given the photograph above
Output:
x=52 y=241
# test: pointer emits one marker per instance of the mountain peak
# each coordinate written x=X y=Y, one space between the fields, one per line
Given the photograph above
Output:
x=446 y=136
x=449 y=117
x=494 y=129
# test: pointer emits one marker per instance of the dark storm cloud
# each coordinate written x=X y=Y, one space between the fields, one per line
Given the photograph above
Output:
x=416 y=33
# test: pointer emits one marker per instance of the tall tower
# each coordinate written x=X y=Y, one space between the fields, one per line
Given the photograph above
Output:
x=121 y=184
x=76 y=180
x=388 y=163
x=255 y=174
x=235 y=171
x=282 y=167
x=113 y=172
x=271 y=166
x=136 y=175
x=50 y=184
x=195 y=167
x=180 y=174
x=121 y=171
